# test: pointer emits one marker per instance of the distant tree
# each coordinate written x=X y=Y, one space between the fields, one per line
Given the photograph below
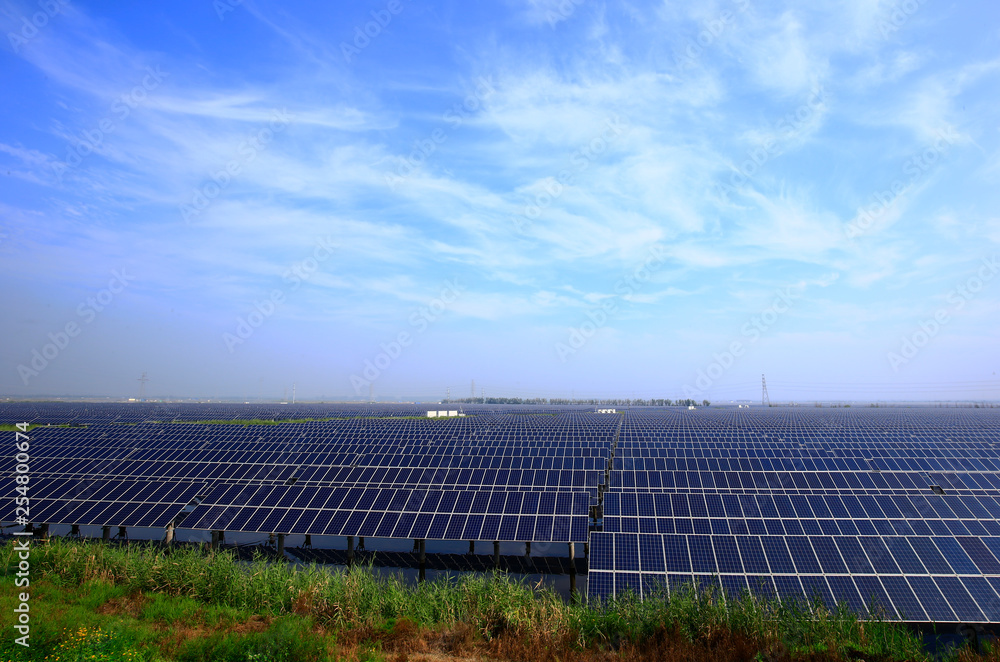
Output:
x=705 y=402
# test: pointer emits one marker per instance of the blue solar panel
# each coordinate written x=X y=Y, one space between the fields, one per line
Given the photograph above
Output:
x=959 y=599
x=907 y=604
x=930 y=598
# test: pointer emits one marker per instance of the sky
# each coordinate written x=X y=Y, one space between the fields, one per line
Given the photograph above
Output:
x=534 y=198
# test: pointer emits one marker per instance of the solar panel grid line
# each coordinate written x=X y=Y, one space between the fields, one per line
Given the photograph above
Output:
x=929 y=520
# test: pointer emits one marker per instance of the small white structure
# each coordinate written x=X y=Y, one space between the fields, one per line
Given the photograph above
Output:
x=453 y=412
x=606 y=411
x=690 y=406
x=443 y=413
x=432 y=414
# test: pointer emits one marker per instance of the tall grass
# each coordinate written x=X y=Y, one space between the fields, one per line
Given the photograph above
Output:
x=492 y=605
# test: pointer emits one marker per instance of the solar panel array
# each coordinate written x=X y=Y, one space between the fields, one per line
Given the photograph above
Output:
x=389 y=513
x=893 y=511
x=889 y=510
x=88 y=413
x=488 y=452
x=487 y=476
x=108 y=502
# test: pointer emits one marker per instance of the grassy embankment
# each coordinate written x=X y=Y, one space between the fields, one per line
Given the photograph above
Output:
x=141 y=603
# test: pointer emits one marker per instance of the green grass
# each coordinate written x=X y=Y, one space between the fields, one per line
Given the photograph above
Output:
x=300 y=612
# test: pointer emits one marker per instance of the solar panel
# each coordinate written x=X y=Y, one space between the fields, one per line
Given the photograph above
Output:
x=781 y=500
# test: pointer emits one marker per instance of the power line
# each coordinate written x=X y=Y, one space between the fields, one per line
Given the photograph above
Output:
x=142 y=386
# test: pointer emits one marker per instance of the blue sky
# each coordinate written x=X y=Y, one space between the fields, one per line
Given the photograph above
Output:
x=550 y=198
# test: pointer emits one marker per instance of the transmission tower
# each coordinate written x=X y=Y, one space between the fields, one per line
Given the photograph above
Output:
x=142 y=386
x=765 y=400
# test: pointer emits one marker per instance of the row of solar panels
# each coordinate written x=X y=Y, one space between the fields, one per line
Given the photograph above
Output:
x=918 y=599
x=804 y=464
x=324 y=444
x=441 y=526
x=944 y=576
x=433 y=514
x=858 y=438
x=332 y=459
x=766 y=449
x=58 y=412
x=802 y=555
x=322 y=454
x=338 y=431
x=483 y=446
x=515 y=479
x=434 y=501
x=853 y=440
x=652 y=481
x=109 y=490
x=831 y=415
x=802 y=506
x=712 y=444
x=796 y=527
x=103 y=502
x=55 y=444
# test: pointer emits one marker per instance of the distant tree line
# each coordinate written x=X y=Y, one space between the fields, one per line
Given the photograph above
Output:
x=628 y=402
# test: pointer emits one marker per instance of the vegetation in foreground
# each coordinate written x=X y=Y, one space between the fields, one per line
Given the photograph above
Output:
x=91 y=601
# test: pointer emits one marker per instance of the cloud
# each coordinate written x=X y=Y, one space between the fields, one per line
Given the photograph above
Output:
x=596 y=142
